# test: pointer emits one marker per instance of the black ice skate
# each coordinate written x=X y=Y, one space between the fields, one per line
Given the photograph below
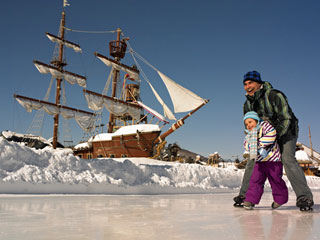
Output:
x=238 y=201
x=304 y=204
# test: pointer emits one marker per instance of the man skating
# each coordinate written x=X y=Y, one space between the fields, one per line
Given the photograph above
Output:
x=272 y=106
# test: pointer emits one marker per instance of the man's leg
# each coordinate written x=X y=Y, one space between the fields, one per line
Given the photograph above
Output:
x=245 y=184
x=246 y=177
x=293 y=170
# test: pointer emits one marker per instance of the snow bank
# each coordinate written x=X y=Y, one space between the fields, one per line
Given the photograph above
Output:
x=26 y=170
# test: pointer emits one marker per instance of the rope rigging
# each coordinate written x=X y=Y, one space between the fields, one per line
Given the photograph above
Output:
x=92 y=32
x=35 y=128
x=144 y=76
x=131 y=51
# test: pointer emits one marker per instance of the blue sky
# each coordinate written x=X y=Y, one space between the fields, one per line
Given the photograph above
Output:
x=206 y=46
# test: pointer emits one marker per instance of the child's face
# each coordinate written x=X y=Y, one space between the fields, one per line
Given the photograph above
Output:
x=250 y=123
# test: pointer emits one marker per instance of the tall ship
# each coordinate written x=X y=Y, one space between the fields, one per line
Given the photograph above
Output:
x=133 y=128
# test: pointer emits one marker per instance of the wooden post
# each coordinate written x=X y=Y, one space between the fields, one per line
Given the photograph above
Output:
x=58 y=64
x=310 y=143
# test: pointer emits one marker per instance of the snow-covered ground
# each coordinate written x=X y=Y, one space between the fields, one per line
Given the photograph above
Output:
x=26 y=170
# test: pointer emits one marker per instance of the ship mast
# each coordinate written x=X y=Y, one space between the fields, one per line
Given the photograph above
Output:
x=117 y=50
x=83 y=118
x=59 y=64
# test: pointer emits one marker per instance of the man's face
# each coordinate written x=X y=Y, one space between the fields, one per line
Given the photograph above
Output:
x=251 y=87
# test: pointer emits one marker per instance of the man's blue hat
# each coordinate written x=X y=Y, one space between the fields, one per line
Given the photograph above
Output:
x=252 y=115
x=253 y=76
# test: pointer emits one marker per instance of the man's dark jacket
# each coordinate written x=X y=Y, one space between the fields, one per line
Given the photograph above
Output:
x=272 y=105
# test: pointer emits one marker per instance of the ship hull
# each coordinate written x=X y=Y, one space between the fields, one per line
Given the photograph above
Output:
x=140 y=144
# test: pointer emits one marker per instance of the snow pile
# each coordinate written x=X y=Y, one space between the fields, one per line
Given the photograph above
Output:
x=27 y=170
x=9 y=135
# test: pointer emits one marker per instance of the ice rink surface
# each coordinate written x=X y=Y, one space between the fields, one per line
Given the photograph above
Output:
x=190 y=216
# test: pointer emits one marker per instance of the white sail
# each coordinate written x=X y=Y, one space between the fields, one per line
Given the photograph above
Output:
x=95 y=103
x=84 y=120
x=167 y=112
x=71 y=78
x=106 y=61
x=68 y=44
x=183 y=99
x=118 y=108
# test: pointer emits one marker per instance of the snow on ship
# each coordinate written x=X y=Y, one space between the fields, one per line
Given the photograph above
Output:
x=134 y=129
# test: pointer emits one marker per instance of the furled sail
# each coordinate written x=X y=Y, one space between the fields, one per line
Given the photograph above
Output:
x=68 y=44
x=133 y=73
x=153 y=112
x=84 y=119
x=72 y=78
x=115 y=106
x=183 y=99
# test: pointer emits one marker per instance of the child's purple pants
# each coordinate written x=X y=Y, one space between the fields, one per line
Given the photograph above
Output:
x=273 y=172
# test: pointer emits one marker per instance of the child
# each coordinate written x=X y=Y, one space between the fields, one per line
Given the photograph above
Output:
x=261 y=143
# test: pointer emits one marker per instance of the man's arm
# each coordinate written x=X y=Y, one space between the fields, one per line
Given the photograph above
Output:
x=281 y=108
x=245 y=107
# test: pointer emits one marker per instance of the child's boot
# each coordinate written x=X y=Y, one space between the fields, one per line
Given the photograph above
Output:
x=275 y=205
x=248 y=205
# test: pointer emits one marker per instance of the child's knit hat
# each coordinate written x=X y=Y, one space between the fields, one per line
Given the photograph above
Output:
x=253 y=115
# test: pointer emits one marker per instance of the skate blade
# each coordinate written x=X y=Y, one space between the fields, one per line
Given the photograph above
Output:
x=306 y=209
x=238 y=205
x=248 y=208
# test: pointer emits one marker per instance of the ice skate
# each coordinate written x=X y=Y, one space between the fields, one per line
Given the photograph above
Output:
x=238 y=201
x=305 y=204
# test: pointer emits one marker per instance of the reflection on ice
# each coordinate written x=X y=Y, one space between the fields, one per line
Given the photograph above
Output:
x=278 y=225
x=208 y=216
